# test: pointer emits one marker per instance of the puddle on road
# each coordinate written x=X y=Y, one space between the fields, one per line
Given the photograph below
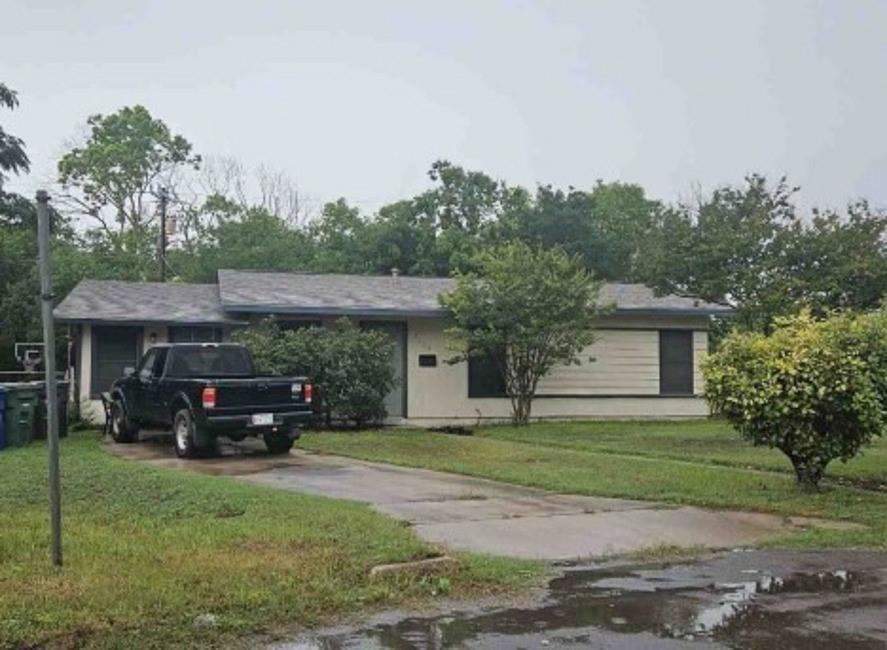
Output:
x=723 y=603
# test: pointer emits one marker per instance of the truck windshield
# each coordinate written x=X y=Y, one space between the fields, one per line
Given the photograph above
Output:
x=210 y=361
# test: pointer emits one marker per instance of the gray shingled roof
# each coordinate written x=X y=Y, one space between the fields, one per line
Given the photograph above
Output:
x=639 y=298
x=306 y=293
x=142 y=302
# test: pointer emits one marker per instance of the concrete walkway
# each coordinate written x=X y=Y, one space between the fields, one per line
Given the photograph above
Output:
x=485 y=516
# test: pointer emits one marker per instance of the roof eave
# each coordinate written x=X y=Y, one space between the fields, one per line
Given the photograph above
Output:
x=334 y=311
x=289 y=310
x=144 y=321
x=653 y=311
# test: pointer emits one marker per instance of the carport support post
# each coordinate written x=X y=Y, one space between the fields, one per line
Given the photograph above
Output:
x=52 y=412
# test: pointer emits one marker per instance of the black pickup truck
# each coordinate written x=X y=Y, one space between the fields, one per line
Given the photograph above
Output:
x=206 y=390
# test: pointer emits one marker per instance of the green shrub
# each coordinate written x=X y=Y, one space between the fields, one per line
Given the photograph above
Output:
x=815 y=390
x=350 y=368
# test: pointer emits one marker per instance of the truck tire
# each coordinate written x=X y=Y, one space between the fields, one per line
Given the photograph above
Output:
x=278 y=442
x=184 y=438
x=122 y=428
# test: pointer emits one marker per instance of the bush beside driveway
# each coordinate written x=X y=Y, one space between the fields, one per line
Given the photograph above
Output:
x=159 y=558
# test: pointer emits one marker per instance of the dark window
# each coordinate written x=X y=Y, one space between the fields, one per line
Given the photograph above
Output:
x=113 y=349
x=485 y=378
x=146 y=369
x=675 y=362
x=427 y=360
x=161 y=361
x=210 y=361
x=291 y=325
x=194 y=334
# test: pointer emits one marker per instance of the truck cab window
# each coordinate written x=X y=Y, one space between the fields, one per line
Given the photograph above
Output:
x=146 y=368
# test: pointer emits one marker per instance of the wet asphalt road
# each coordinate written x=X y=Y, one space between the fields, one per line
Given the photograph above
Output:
x=741 y=599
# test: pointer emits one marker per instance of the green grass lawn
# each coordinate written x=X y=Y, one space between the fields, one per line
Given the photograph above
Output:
x=700 y=463
x=710 y=441
x=147 y=550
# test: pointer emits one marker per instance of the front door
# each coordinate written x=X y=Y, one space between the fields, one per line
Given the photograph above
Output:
x=396 y=400
x=113 y=349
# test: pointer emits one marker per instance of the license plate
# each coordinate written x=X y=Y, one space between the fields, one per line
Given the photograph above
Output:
x=263 y=418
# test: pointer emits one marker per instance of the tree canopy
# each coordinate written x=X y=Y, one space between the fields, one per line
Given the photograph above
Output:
x=748 y=244
x=528 y=310
x=127 y=154
x=13 y=158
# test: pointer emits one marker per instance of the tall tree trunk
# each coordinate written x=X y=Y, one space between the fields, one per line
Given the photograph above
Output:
x=521 y=406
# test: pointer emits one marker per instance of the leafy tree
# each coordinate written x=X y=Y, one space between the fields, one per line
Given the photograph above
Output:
x=253 y=239
x=815 y=390
x=747 y=246
x=19 y=284
x=552 y=217
x=604 y=226
x=838 y=262
x=339 y=240
x=350 y=368
x=730 y=246
x=12 y=149
x=528 y=308
x=16 y=211
x=126 y=155
x=623 y=216
x=440 y=230
x=397 y=238
x=464 y=200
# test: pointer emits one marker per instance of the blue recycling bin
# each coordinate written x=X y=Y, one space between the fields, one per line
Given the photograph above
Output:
x=2 y=417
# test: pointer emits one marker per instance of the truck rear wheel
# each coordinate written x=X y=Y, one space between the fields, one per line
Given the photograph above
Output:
x=184 y=429
x=278 y=442
x=122 y=429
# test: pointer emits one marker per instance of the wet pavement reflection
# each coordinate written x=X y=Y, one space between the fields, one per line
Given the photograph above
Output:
x=739 y=599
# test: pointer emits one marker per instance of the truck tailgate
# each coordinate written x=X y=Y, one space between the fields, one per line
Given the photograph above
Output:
x=259 y=394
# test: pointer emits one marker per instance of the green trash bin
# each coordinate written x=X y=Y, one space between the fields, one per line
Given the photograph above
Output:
x=21 y=405
x=40 y=416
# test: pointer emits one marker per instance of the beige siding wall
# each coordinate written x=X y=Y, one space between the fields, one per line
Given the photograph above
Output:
x=625 y=362
x=623 y=381
x=90 y=409
x=700 y=349
x=626 y=368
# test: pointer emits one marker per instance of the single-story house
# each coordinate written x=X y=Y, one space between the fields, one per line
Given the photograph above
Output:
x=646 y=359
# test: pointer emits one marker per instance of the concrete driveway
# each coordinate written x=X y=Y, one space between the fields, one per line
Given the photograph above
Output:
x=484 y=516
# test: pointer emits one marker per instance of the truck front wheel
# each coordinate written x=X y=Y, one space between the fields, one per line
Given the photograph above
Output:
x=278 y=442
x=184 y=429
x=122 y=429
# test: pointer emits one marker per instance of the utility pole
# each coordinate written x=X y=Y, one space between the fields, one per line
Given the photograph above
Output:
x=52 y=411
x=164 y=197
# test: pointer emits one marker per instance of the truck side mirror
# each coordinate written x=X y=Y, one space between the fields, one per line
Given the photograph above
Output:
x=129 y=371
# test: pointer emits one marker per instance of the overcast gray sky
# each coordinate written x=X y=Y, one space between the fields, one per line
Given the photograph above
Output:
x=357 y=98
